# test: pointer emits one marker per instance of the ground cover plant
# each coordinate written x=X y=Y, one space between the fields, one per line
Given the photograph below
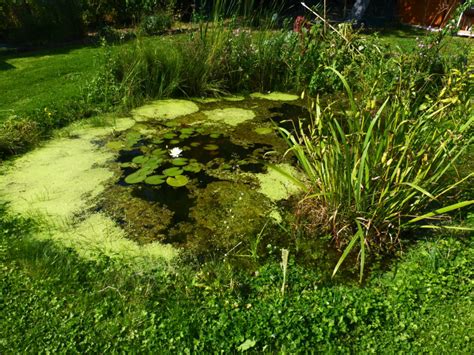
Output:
x=53 y=300
x=389 y=139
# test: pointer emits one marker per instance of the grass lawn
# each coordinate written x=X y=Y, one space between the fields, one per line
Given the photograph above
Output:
x=35 y=80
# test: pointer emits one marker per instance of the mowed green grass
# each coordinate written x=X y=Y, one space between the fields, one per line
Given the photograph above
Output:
x=35 y=80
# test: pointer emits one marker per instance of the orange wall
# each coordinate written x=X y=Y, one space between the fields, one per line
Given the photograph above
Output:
x=427 y=12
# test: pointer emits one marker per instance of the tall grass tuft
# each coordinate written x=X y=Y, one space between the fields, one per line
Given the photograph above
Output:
x=148 y=69
x=371 y=172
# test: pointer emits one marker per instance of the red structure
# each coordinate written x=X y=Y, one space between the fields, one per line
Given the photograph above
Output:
x=432 y=13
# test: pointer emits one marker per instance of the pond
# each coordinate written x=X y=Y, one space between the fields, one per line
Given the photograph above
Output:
x=195 y=173
x=192 y=176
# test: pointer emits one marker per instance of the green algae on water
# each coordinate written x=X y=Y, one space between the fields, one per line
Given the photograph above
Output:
x=263 y=130
x=275 y=185
x=232 y=116
x=33 y=187
x=275 y=96
x=164 y=110
x=206 y=100
x=234 y=98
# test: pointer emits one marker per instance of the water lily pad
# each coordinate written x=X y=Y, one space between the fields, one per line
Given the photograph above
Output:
x=195 y=144
x=155 y=180
x=184 y=136
x=159 y=152
x=127 y=165
x=115 y=145
x=174 y=171
x=215 y=135
x=146 y=170
x=187 y=130
x=174 y=141
x=152 y=164
x=177 y=181
x=263 y=130
x=211 y=147
x=135 y=177
x=275 y=96
x=171 y=124
x=132 y=135
x=169 y=135
x=141 y=159
x=193 y=168
x=157 y=140
x=179 y=161
x=165 y=110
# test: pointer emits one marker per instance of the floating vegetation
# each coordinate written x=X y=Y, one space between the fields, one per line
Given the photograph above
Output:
x=275 y=96
x=263 y=130
x=173 y=171
x=136 y=177
x=164 y=110
x=227 y=213
x=234 y=98
x=177 y=181
x=155 y=180
x=198 y=172
x=230 y=116
x=211 y=147
x=115 y=145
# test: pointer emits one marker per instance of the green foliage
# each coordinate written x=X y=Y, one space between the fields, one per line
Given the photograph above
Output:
x=142 y=70
x=156 y=24
x=17 y=135
x=52 y=300
x=369 y=171
x=40 y=20
x=34 y=20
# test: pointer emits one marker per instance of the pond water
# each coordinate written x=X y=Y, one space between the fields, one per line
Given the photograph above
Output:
x=200 y=178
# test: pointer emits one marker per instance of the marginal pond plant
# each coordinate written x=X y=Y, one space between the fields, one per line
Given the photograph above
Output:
x=372 y=174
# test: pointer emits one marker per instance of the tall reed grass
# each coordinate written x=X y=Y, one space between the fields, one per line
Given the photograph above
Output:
x=370 y=172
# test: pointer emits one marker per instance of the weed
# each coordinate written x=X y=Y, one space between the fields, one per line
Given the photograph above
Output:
x=17 y=135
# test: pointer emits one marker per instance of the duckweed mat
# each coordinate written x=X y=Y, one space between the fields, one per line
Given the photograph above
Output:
x=188 y=173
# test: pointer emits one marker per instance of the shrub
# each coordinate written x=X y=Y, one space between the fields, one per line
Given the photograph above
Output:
x=156 y=24
x=39 y=20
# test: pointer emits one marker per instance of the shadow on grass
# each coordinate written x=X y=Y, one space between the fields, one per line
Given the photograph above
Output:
x=5 y=66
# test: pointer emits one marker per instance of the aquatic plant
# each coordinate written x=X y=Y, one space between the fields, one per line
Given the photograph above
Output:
x=155 y=180
x=177 y=181
x=371 y=172
x=175 y=171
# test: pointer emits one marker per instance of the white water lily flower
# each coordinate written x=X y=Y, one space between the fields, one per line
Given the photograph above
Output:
x=175 y=152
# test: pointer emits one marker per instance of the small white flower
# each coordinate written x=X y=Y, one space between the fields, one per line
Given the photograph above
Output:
x=175 y=152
